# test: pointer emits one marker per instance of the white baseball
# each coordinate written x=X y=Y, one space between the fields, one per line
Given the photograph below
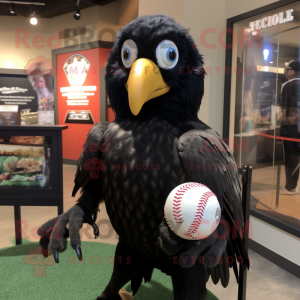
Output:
x=192 y=211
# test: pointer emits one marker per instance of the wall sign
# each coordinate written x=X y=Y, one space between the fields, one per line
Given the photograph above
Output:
x=76 y=69
x=17 y=90
x=78 y=95
x=274 y=20
x=33 y=94
x=9 y=115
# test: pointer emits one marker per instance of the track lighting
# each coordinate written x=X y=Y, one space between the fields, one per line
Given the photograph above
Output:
x=12 y=8
x=77 y=14
x=33 y=19
x=32 y=10
x=12 y=3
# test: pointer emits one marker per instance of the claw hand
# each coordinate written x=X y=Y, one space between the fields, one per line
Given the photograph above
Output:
x=54 y=232
x=188 y=251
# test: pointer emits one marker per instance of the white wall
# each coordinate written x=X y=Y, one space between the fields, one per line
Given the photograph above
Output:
x=237 y=7
x=198 y=16
x=10 y=51
x=173 y=8
x=127 y=11
x=278 y=241
x=96 y=19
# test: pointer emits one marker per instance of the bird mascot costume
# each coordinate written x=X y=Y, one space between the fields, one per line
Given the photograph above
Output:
x=155 y=83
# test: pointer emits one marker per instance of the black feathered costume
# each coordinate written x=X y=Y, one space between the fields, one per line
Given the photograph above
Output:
x=155 y=143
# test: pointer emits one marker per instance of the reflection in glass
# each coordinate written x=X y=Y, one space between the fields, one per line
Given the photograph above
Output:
x=266 y=110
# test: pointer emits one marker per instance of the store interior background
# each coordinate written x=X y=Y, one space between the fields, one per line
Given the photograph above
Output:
x=251 y=92
x=194 y=15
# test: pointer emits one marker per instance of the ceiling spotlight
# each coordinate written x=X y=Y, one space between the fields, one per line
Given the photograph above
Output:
x=33 y=19
x=77 y=14
x=12 y=8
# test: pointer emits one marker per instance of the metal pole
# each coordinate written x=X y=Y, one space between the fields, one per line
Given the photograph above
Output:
x=17 y=211
x=278 y=185
x=247 y=178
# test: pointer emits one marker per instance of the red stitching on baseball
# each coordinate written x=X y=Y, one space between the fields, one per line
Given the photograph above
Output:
x=178 y=196
x=198 y=217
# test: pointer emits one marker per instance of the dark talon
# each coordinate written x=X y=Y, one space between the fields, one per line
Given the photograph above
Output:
x=56 y=256
x=79 y=253
x=45 y=252
x=88 y=219
x=96 y=230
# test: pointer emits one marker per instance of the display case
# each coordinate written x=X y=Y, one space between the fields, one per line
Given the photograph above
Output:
x=31 y=167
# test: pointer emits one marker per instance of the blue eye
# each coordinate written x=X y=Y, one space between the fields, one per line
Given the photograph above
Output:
x=126 y=53
x=167 y=54
x=171 y=54
x=129 y=53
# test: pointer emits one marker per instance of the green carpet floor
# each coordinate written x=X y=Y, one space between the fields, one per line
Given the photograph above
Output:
x=26 y=275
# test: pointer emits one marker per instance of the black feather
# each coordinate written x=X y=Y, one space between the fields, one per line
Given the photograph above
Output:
x=233 y=264
x=224 y=270
x=200 y=145
x=214 y=275
x=91 y=149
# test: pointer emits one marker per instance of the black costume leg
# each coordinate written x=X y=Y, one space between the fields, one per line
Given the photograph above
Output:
x=291 y=154
x=291 y=178
x=291 y=162
x=189 y=283
x=125 y=265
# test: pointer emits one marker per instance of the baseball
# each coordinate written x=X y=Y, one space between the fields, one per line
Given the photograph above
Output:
x=192 y=211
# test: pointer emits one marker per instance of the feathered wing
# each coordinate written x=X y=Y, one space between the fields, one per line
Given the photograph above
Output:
x=89 y=166
x=208 y=160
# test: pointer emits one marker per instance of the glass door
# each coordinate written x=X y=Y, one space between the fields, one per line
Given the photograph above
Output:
x=265 y=129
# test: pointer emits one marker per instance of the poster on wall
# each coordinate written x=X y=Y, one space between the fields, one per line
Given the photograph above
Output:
x=76 y=69
x=17 y=90
x=78 y=95
x=9 y=115
x=41 y=72
x=32 y=94
x=43 y=85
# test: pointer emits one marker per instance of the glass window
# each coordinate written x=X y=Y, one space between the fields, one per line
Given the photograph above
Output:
x=25 y=162
x=265 y=109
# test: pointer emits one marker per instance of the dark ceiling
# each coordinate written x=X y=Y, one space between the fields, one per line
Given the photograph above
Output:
x=52 y=8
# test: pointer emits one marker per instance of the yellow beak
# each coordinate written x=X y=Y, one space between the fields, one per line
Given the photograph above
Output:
x=144 y=83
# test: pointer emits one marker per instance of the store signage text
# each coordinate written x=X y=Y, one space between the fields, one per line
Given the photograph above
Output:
x=77 y=95
x=272 y=20
x=12 y=90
